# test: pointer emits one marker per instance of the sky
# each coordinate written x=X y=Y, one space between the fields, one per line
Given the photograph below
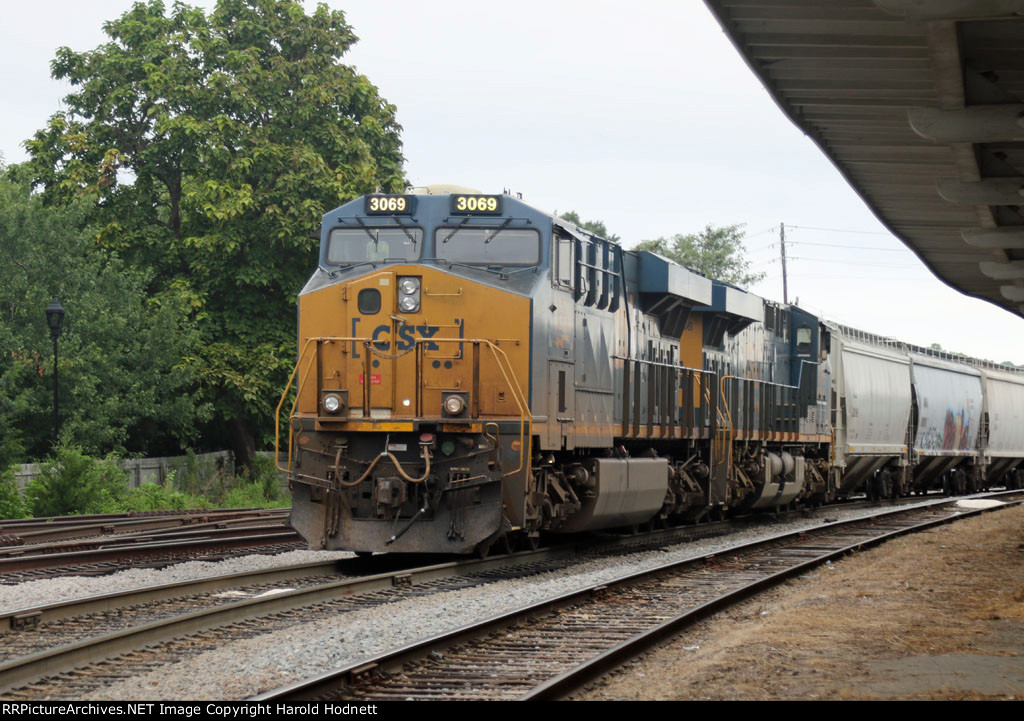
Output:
x=642 y=116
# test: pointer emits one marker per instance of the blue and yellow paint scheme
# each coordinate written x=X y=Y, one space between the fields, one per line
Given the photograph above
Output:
x=473 y=371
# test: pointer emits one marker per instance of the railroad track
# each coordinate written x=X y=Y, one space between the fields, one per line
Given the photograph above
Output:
x=126 y=634
x=155 y=541
x=19 y=534
x=552 y=648
x=42 y=639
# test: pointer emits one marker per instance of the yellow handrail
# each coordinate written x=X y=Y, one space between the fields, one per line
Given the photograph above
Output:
x=277 y=412
x=501 y=360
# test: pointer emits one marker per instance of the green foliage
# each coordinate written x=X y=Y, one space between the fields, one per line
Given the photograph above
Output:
x=198 y=476
x=126 y=382
x=12 y=449
x=263 y=473
x=715 y=252
x=594 y=226
x=160 y=497
x=72 y=482
x=207 y=148
x=252 y=495
x=12 y=503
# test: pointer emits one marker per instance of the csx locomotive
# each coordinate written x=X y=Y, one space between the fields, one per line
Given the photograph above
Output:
x=474 y=371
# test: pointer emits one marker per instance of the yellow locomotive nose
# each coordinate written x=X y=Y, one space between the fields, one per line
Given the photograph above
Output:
x=408 y=352
x=420 y=393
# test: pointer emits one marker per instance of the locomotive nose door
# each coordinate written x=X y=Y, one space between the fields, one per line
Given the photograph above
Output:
x=370 y=369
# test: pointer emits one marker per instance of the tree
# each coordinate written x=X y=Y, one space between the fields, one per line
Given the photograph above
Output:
x=124 y=386
x=716 y=252
x=210 y=146
x=594 y=226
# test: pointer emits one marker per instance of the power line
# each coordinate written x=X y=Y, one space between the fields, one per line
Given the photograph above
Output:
x=838 y=230
x=854 y=263
x=854 y=247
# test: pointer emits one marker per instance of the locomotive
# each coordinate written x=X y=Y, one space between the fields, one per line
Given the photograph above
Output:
x=473 y=371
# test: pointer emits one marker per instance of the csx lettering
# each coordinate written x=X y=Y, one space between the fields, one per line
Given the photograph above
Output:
x=407 y=335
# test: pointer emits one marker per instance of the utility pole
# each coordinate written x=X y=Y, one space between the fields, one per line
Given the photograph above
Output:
x=782 y=248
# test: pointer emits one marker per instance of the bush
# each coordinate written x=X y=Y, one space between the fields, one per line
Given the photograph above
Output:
x=263 y=472
x=154 y=497
x=12 y=504
x=73 y=483
x=258 y=486
x=198 y=477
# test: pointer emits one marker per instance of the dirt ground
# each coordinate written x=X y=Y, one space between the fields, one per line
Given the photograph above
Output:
x=937 y=615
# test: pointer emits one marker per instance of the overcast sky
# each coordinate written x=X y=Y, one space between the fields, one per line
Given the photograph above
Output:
x=641 y=115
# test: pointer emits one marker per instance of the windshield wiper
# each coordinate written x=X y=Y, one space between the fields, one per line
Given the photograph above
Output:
x=375 y=237
x=410 y=236
x=497 y=230
x=334 y=273
x=456 y=229
x=489 y=269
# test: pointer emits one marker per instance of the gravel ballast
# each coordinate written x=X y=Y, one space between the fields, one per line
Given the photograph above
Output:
x=66 y=588
x=246 y=667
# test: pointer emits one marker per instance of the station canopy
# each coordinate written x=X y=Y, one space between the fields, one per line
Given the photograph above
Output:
x=920 y=105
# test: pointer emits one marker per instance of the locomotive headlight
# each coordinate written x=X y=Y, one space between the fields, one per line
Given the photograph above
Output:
x=454 y=405
x=409 y=294
x=332 y=403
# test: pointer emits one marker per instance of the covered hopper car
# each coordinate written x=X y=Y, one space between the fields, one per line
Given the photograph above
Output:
x=472 y=371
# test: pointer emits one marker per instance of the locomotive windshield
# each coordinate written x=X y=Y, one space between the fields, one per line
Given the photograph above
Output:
x=373 y=245
x=488 y=246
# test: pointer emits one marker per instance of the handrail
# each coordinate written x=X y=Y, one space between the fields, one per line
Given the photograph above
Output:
x=501 y=359
x=277 y=411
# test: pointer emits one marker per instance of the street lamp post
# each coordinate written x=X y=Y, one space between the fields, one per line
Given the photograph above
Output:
x=54 y=319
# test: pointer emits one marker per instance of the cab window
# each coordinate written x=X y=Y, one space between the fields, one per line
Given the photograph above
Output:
x=346 y=246
x=803 y=339
x=487 y=246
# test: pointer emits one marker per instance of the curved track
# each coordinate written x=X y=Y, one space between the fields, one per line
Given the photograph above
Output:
x=551 y=648
x=126 y=634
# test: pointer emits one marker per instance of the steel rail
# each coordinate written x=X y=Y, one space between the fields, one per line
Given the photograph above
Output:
x=27 y=669
x=46 y=613
x=351 y=675
x=31 y=616
x=42 y=522
x=34 y=615
x=573 y=679
x=30 y=668
x=239 y=527
x=105 y=527
x=118 y=551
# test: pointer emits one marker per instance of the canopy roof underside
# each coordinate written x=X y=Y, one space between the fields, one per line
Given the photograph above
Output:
x=920 y=105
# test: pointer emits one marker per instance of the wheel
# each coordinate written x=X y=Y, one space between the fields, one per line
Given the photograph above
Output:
x=960 y=482
x=529 y=543
x=504 y=544
x=483 y=549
